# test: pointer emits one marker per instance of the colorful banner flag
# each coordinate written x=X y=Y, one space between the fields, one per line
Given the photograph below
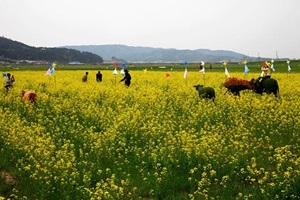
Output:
x=202 y=70
x=48 y=72
x=202 y=67
x=115 y=72
x=246 y=69
x=51 y=69
x=289 y=67
x=122 y=72
x=227 y=72
x=272 y=67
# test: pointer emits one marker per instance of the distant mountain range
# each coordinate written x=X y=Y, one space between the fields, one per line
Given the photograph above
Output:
x=160 y=55
x=13 y=51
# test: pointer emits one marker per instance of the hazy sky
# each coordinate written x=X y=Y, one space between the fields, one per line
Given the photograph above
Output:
x=253 y=27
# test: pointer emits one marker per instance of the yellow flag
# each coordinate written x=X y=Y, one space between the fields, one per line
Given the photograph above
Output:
x=225 y=63
x=227 y=72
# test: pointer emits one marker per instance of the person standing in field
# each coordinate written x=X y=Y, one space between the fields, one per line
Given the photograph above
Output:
x=99 y=77
x=9 y=81
x=127 y=78
x=85 y=77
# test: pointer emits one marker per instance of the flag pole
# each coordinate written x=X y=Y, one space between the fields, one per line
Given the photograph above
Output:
x=185 y=75
x=203 y=71
x=115 y=72
x=289 y=67
x=167 y=82
x=226 y=71
x=186 y=80
x=185 y=71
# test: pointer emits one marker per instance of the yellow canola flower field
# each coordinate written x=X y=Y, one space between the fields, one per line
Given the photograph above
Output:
x=154 y=140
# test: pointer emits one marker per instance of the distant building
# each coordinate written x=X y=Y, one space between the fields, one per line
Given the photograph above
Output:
x=75 y=63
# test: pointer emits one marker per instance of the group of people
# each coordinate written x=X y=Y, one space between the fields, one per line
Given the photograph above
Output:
x=266 y=73
x=10 y=79
x=126 y=79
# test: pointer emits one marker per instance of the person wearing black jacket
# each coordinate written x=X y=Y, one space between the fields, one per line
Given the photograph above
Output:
x=99 y=77
x=127 y=78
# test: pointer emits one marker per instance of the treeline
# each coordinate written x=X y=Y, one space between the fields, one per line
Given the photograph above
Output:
x=15 y=51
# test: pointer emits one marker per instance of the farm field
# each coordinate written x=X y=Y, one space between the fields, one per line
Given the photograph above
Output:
x=154 y=140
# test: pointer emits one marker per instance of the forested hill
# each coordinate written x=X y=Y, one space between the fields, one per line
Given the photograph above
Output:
x=149 y=54
x=14 y=51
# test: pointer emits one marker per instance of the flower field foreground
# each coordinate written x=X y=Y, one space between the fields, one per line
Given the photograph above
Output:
x=154 y=140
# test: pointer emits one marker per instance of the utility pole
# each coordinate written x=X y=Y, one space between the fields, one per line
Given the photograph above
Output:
x=277 y=56
x=258 y=57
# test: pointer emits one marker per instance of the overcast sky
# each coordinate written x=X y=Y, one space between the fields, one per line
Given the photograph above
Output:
x=256 y=27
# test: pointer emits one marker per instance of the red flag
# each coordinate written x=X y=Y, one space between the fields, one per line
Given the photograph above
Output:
x=116 y=64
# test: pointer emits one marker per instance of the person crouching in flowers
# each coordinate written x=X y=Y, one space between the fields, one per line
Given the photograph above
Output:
x=85 y=77
x=29 y=96
x=9 y=81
